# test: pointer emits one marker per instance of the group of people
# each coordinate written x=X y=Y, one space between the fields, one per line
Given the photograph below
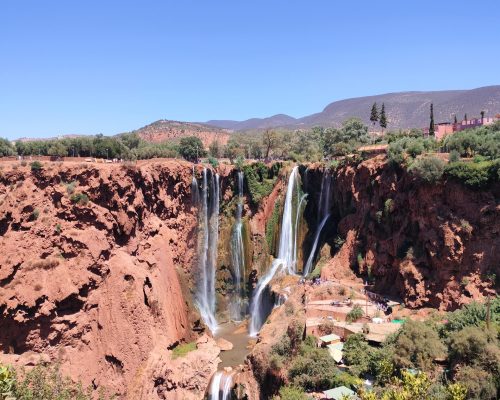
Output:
x=314 y=281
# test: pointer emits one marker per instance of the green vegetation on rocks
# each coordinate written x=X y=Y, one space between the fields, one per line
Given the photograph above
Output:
x=182 y=349
x=43 y=382
x=260 y=180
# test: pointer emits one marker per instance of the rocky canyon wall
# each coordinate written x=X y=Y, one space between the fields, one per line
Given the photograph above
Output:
x=95 y=267
x=427 y=244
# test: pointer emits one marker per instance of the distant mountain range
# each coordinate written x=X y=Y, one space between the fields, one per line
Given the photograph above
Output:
x=403 y=110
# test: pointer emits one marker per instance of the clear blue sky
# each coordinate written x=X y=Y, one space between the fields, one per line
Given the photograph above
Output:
x=112 y=66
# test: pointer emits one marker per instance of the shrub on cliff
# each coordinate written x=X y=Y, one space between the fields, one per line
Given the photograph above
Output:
x=36 y=166
x=473 y=174
x=260 y=180
x=79 y=198
x=429 y=168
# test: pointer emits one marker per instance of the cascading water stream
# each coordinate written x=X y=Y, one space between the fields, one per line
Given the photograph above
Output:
x=207 y=245
x=238 y=257
x=297 y=217
x=323 y=215
x=220 y=388
x=285 y=261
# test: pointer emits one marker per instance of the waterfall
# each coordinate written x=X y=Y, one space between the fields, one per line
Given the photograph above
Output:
x=220 y=388
x=299 y=207
x=323 y=215
x=207 y=248
x=286 y=261
x=195 y=194
x=238 y=257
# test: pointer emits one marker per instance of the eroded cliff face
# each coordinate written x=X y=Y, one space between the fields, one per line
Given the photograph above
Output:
x=429 y=244
x=100 y=286
x=105 y=287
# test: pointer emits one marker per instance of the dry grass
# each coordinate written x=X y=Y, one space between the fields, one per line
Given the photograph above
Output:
x=46 y=264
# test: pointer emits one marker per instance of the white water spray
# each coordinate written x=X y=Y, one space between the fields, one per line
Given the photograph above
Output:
x=286 y=260
x=238 y=257
x=323 y=215
x=220 y=388
x=207 y=245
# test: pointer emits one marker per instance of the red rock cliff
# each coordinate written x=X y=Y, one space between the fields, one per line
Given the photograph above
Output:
x=95 y=285
x=430 y=244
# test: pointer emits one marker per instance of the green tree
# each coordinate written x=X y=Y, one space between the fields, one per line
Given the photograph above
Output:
x=6 y=148
x=353 y=130
x=477 y=348
x=431 y=125
x=131 y=140
x=374 y=114
x=291 y=393
x=357 y=354
x=417 y=345
x=57 y=149
x=191 y=148
x=214 y=149
x=383 y=118
x=429 y=168
x=269 y=140
x=482 y=116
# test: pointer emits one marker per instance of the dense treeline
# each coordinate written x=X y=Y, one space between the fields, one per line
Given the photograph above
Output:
x=474 y=155
x=127 y=146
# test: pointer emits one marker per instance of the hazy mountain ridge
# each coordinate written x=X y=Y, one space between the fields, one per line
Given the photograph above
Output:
x=403 y=109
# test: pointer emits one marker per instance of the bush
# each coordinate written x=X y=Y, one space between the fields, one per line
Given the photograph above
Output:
x=473 y=174
x=260 y=180
x=7 y=382
x=36 y=166
x=79 y=198
x=291 y=393
x=35 y=214
x=182 y=349
x=70 y=187
x=454 y=156
x=429 y=168
x=43 y=382
x=473 y=314
x=388 y=207
x=355 y=314
x=213 y=162
x=338 y=242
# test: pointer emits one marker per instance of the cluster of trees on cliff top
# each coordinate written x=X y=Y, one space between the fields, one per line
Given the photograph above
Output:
x=408 y=149
x=474 y=155
x=307 y=145
x=452 y=357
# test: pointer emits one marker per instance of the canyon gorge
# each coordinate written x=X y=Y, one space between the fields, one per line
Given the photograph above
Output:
x=111 y=271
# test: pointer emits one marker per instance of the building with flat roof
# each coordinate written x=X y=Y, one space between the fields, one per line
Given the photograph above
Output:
x=340 y=393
